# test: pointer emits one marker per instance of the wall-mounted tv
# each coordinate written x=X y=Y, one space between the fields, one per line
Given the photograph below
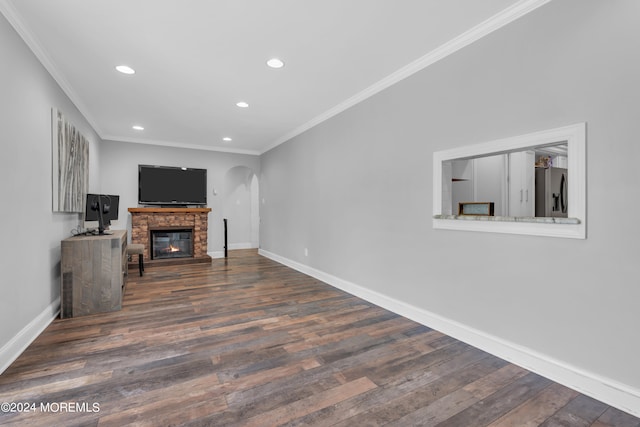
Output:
x=171 y=186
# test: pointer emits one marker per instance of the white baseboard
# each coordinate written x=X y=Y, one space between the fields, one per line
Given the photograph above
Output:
x=232 y=246
x=611 y=392
x=249 y=245
x=19 y=343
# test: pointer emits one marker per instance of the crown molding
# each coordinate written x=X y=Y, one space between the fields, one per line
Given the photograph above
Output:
x=494 y=23
x=17 y=22
x=173 y=144
x=490 y=25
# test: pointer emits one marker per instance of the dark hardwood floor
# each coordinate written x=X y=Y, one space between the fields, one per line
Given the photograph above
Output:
x=248 y=342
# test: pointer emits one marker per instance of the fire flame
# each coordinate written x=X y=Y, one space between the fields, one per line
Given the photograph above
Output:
x=173 y=249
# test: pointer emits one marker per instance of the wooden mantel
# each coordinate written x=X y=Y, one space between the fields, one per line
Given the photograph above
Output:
x=169 y=210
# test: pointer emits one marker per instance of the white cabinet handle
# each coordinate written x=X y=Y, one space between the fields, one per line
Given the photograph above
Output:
x=527 y=199
x=521 y=195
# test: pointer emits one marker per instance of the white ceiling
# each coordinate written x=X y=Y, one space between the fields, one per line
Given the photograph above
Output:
x=194 y=59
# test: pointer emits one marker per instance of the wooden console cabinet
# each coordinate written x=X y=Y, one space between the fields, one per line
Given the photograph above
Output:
x=93 y=272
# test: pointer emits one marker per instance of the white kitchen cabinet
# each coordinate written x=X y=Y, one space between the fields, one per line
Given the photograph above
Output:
x=521 y=184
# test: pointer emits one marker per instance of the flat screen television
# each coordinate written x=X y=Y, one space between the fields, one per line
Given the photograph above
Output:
x=102 y=208
x=171 y=186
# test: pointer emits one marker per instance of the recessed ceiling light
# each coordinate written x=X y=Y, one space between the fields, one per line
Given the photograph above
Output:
x=125 y=69
x=275 y=63
x=242 y=104
x=137 y=127
x=227 y=139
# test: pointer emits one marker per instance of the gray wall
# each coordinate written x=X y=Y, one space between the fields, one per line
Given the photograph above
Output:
x=119 y=175
x=357 y=189
x=31 y=232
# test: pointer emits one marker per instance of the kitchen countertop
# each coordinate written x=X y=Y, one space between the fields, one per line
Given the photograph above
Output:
x=539 y=220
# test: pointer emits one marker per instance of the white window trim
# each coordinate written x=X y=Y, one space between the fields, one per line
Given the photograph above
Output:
x=574 y=135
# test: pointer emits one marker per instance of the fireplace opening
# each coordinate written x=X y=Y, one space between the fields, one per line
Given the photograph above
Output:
x=171 y=243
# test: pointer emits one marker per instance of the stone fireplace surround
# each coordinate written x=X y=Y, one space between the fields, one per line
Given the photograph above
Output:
x=143 y=220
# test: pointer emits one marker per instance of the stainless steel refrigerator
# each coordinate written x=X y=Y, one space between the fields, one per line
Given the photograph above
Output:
x=552 y=195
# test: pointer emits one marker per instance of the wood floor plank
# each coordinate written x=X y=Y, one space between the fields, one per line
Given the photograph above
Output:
x=32 y=392
x=535 y=411
x=246 y=341
x=302 y=407
x=580 y=412
x=391 y=404
x=613 y=417
x=451 y=404
x=500 y=403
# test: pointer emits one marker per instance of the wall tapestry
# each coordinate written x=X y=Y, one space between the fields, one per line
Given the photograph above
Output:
x=70 y=165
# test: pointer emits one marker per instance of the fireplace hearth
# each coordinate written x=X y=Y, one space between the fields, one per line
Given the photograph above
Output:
x=171 y=244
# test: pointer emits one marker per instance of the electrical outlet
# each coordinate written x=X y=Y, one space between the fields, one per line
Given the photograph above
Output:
x=306 y=252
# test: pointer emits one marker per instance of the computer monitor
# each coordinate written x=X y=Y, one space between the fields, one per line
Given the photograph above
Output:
x=102 y=208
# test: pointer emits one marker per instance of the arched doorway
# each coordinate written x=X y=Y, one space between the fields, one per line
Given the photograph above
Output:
x=241 y=208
